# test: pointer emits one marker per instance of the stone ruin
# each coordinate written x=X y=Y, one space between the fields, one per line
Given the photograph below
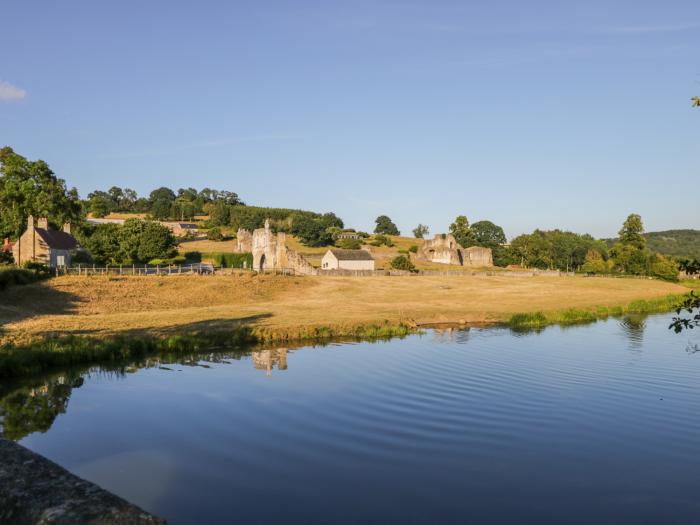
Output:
x=444 y=249
x=270 y=251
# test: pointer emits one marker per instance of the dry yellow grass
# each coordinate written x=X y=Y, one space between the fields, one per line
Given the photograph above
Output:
x=276 y=304
x=206 y=246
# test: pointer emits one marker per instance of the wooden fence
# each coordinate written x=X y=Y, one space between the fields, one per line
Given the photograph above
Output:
x=169 y=269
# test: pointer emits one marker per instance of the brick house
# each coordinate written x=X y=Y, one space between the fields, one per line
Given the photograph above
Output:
x=40 y=244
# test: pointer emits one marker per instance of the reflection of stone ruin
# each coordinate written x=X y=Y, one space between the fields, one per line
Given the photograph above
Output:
x=445 y=249
x=270 y=251
x=267 y=359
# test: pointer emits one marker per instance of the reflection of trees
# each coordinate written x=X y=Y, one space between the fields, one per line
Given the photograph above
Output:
x=633 y=327
x=34 y=409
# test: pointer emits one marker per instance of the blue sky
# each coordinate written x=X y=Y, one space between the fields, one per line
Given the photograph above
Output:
x=530 y=114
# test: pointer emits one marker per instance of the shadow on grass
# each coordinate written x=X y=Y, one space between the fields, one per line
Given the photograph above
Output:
x=20 y=303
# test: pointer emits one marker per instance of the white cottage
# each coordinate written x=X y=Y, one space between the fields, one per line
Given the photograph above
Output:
x=347 y=260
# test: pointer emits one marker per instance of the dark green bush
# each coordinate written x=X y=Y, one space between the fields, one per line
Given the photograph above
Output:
x=349 y=244
x=214 y=234
x=230 y=260
x=402 y=263
x=12 y=276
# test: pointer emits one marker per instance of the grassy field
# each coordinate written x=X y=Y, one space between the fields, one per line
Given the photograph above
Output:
x=278 y=308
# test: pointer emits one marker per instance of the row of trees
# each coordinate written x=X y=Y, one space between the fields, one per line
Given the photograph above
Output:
x=135 y=241
x=162 y=203
x=569 y=251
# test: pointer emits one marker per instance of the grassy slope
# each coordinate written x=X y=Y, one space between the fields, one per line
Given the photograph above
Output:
x=276 y=307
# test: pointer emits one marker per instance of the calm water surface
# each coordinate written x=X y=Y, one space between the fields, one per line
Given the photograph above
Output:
x=593 y=424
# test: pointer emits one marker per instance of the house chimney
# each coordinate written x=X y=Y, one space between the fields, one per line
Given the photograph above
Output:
x=43 y=222
x=66 y=228
x=30 y=222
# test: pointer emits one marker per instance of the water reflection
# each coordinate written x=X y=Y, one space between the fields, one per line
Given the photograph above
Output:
x=35 y=408
x=267 y=359
x=633 y=327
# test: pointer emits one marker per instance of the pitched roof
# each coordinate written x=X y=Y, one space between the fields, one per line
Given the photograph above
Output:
x=352 y=255
x=57 y=240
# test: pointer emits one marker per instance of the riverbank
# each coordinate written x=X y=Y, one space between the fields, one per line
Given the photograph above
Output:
x=68 y=320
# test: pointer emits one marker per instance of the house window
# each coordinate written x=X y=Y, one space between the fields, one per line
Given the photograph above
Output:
x=60 y=260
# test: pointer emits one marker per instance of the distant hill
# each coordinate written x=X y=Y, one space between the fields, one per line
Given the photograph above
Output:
x=678 y=243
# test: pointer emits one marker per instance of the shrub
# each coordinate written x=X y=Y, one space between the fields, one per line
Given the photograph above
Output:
x=11 y=275
x=214 y=234
x=402 y=263
x=230 y=260
x=177 y=260
x=382 y=240
x=349 y=244
x=413 y=248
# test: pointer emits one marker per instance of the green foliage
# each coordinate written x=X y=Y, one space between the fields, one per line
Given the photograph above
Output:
x=677 y=243
x=160 y=209
x=316 y=231
x=219 y=214
x=536 y=320
x=631 y=232
x=177 y=260
x=402 y=263
x=348 y=244
x=13 y=276
x=230 y=260
x=663 y=267
x=462 y=233
x=214 y=234
x=554 y=249
x=45 y=354
x=102 y=241
x=691 y=305
x=595 y=263
x=488 y=234
x=385 y=226
x=420 y=231
x=413 y=248
x=31 y=188
x=631 y=255
x=136 y=241
x=695 y=101
x=382 y=240
x=98 y=206
x=6 y=258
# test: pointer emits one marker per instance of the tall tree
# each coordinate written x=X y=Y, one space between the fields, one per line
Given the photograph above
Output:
x=385 y=226
x=420 y=231
x=462 y=232
x=488 y=234
x=31 y=188
x=631 y=232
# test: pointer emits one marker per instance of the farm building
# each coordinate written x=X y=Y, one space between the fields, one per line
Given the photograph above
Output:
x=347 y=260
x=180 y=229
x=40 y=244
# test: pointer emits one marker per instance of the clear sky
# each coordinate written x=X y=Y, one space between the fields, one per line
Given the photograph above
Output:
x=530 y=114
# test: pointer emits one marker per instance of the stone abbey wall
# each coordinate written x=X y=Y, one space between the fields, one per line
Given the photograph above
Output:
x=444 y=249
x=270 y=251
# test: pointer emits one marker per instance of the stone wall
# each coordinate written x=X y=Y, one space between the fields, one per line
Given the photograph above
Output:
x=270 y=252
x=244 y=241
x=36 y=490
x=444 y=249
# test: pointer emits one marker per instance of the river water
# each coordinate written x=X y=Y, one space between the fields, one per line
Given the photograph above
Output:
x=589 y=424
